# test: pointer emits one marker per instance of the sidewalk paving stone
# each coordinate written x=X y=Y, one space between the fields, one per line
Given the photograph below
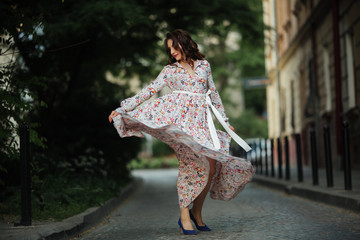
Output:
x=337 y=195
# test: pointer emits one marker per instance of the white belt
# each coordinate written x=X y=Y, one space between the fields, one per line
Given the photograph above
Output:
x=212 y=128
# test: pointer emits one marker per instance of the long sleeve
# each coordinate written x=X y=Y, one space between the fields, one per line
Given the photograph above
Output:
x=215 y=96
x=155 y=86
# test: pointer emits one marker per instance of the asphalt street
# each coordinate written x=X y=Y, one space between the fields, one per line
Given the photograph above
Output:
x=152 y=212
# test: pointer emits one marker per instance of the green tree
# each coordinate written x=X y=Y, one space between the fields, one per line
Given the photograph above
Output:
x=243 y=59
x=64 y=49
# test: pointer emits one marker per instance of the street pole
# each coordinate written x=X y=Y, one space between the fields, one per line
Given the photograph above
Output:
x=25 y=176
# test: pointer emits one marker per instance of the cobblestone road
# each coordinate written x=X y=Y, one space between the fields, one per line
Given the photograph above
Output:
x=256 y=213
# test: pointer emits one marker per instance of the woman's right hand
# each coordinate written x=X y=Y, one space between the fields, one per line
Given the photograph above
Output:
x=112 y=115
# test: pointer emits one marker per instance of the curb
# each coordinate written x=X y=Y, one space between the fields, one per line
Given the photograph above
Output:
x=72 y=226
x=337 y=197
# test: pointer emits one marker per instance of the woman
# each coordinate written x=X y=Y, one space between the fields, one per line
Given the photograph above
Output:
x=183 y=120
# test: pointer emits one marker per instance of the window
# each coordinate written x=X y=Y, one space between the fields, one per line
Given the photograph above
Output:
x=350 y=70
x=327 y=80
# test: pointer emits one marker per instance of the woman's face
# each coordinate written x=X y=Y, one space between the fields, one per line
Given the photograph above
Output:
x=175 y=53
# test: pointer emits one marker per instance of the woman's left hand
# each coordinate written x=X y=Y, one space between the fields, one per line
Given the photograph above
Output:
x=232 y=128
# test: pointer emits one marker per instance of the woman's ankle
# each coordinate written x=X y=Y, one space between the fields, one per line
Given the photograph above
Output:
x=194 y=211
x=184 y=214
x=196 y=215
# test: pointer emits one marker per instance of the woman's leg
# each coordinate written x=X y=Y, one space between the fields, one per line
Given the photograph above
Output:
x=185 y=218
x=186 y=163
x=199 y=201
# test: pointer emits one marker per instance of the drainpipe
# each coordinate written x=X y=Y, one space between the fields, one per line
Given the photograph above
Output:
x=277 y=74
x=315 y=75
x=337 y=75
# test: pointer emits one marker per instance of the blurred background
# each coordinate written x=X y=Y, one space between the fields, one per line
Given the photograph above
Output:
x=65 y=65
x=284 y=68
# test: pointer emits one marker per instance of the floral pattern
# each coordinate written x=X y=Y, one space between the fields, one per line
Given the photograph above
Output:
x=180 y=120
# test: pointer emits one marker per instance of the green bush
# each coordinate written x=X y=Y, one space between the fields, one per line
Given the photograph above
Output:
x=161 y=149
x=63 y=195
x=155 y=162
x=61 y=189
x=250 y=125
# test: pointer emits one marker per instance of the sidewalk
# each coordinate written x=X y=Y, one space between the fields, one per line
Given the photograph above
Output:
x=337 y=196
x=68 y=227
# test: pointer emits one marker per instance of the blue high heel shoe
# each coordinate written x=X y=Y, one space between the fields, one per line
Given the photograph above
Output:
x=186 y=232
x=200 y=228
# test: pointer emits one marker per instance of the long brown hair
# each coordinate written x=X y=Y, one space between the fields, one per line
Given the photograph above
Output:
x=189 y=49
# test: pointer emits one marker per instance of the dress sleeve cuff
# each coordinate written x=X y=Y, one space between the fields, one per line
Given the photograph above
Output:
x=128 y=104
x=120 y=110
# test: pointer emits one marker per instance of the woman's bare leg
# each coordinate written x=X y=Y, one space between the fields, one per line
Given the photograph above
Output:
x=199 y=201
x=185 y=219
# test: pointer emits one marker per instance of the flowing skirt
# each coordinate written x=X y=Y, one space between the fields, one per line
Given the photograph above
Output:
x=172 y=120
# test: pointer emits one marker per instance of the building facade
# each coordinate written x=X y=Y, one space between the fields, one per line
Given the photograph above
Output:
x=312 y=50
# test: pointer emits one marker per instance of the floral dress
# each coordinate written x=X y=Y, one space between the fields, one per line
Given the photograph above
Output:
x=180 y=119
